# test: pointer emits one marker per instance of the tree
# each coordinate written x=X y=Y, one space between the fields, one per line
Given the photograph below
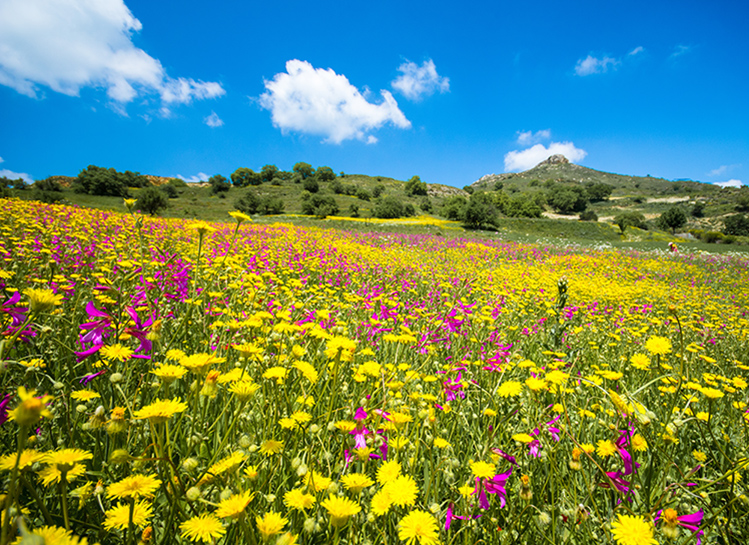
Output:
x=268 y=172
x=415 y=186
x=737 y=225
x=320 y=206
x=325 y=174
x=698 y=210
x=218 y=184
x=311 y=185
x=151 y=200
x=100 y=181
x=674 y=218
x=588 y=215
x=304 y=169
x=630 y=219
x=454 y=207
x=242 y=177
x=249 y=203
x=378 y=190
x=388 y=208
x=567 y=199
x=598 y=191
x=134 y=179
x=480 y=211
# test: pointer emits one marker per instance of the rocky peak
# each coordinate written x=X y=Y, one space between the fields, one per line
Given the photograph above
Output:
x=557 y=159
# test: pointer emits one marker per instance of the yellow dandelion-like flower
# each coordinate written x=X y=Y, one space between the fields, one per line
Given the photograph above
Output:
x=640 y=362
x=587 y=448
x=202 y=227
x=419 y=527
x=240 y=217
x=536 y=384
x=36 y=363
x=356 y=482
x=42 y=300
x=225 y=465
x=53 y=535
x=200 y=363
x=510 y=388
x=381 y=503
x=249 y=350
x=631 y=530
x=65 y=459
x=466 y=490
x=28 y=458
x=134 y=486
x=307 y=370
x=700 y=456
x=251 y=472
x=483 y=470
x=118 y=517
x=205 y=527
x=116 y=352
x=84 y=395
x=296 y=498
x=658 y=346
x=402 y=490
x=606 y=448
x=244 y=389
x=169 y=372
x=270 y=524
x=441 y=443
x=345 y=425
x=277 y=373
x=388 y=471
x=316 y=482
x=160 y=410
x=711 y=393
x=269 y=447
x=52 y=475
x=340 y=510
x=523 y=438
x=31 y=408
x=234 y=505
x=639 y=443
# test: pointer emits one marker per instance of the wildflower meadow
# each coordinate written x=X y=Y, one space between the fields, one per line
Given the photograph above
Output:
x=171 y=381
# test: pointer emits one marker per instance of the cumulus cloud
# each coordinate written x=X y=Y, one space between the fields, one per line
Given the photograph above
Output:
x=593 y=65
x=417 y=82
x=730 y=183
x=530 y=157
x=199 y=177
x=71 y=44
x=213 y=120
x=526 y=138
x=636 y=51
x=4 y=172
x=318 y=101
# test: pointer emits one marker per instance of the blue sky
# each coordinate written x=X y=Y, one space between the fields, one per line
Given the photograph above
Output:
x=444 y=90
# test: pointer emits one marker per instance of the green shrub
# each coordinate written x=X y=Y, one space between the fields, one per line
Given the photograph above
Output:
x=152 y=200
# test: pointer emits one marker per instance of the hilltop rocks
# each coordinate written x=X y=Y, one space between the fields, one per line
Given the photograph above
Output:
x=557 y=159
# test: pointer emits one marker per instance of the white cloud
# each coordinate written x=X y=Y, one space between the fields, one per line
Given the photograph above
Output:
x=71 y=44
x=318 y=101
x=730 y=183
x=213 y=120
x=680 y=50
x=526 y=138
x=722 y=169
x=4 y=172
x=592 y=65
x=530 y=157
x=199 y=177
x=636 y=51
x=416 y=82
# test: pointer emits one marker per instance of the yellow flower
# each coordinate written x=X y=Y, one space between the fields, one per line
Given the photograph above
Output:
x=240 y=217
x=606 y=448
x=202 y=227
x=269 y=447
x=510 y=388
x=402 y=490
x=701 y=457
x=244 y=389
x=52 y=475
x=308 y=371
x=340 y=510
x=523 y=438
x=270 y=524
x=200 y=363
x=84 y=395
x=419 y=526
x=536 y=384
x=381 y=503
x=65 y=459
x=296 y=498
x=640 y=361
x=52 y=535
x=134 y=486
x=483 y=470
x=42 y=300
x=225 y=465
x=659 y=346
x=388 y=472
x=439 y=442
x=28 y=458
x=356 y=482
x=31 y=409
x=316 y=482
x=631 y=530
x=251 y=472
x=169 y=372
x=278 y=373
x=711 y=393
x=234 y=505
x=205 y=527
x=160 y=410
x=130 y=203
x=116 y=352
x=118 y=517
x=639 y=443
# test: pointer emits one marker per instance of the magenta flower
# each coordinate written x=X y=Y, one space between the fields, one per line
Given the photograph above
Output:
x=139 y=330
x=672 y=521
x=16 y=313
x=94 y=331
x=4 y=408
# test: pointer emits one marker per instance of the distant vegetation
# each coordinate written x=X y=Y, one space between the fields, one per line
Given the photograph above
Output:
x=633 y=206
